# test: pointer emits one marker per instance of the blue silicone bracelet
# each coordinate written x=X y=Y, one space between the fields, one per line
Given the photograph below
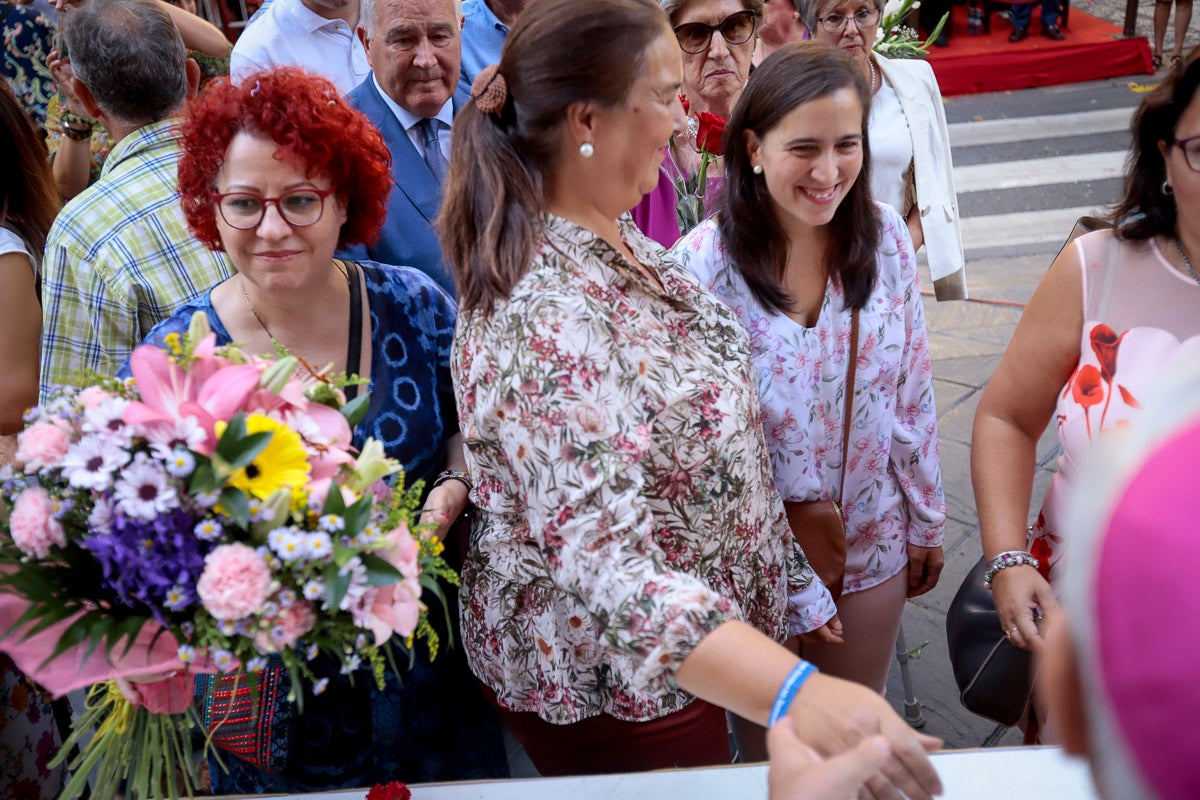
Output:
x=787 y=692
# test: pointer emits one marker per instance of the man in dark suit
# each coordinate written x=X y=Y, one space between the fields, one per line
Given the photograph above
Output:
x=414 y=48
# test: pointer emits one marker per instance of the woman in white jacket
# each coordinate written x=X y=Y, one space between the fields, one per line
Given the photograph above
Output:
x=910 y=143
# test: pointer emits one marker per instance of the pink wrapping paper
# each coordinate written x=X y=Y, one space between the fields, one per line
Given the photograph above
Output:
x=71 y=670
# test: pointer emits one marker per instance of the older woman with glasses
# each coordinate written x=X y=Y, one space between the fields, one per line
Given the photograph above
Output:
x=279 y=172
x=1112 y=312
x=910 y=143
x=717 y=39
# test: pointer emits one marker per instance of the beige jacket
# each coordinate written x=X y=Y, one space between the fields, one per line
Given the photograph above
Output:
x=937 y=199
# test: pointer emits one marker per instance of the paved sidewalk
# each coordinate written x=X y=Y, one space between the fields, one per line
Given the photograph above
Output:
x=1114 y=12
x=967 y=340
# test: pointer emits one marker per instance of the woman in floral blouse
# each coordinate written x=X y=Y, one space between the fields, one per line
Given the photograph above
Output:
x=630 y=565
x=799 y=249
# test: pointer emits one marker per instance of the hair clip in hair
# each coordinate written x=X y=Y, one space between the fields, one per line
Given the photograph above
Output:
x=256 y=88
x=490 y=90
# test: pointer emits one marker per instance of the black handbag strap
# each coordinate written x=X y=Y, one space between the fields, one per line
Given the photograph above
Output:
x=354 y=352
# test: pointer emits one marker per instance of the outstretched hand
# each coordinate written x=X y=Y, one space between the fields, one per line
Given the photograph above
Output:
x=799 y=773
x=833 y=716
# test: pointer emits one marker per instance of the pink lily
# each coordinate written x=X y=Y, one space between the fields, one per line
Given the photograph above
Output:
x=210 y=389
x=396 y=607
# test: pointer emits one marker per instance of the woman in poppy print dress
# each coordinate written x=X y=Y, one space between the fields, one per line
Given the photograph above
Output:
x=1114 y=310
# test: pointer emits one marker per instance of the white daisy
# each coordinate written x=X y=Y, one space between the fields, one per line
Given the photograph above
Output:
x=314 y=589
x=208 y=530
x=180 y=463
x=224 y=660
x=90 y=462
x=143 y=491
x=289 y=545
x=186 y=433
x=319 y=546
x=107 y=418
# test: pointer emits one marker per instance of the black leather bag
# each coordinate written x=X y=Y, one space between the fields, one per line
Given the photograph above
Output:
x=994 y=676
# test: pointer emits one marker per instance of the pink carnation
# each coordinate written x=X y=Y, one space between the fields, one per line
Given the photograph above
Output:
x=235 y=583
x=92 y=397
x=42 y=445
x=287 y=627
x=33 y=526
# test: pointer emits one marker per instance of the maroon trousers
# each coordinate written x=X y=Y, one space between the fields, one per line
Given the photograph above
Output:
x=695 y=736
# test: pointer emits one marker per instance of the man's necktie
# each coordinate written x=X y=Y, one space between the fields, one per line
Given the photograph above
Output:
x=433 y=149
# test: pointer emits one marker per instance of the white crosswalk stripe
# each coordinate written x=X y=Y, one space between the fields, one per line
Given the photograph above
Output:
x=1040 y=171
x=1067 y=176
x=1079 y=123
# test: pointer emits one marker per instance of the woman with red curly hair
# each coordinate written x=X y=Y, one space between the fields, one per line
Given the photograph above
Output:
x=278 y=173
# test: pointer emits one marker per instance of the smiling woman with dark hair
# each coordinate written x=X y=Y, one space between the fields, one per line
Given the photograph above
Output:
x=910 y=141
x=825 y=280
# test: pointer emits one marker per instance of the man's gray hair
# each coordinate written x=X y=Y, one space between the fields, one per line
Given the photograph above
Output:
x=811 y=9
x=366 y=15
x=673 y=7
x=129 y=54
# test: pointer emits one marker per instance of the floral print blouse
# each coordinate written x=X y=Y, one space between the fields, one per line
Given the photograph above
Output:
x=626 y=507
x=893 y=477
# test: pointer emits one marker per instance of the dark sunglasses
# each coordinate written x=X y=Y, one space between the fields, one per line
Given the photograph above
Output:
x=695 y=37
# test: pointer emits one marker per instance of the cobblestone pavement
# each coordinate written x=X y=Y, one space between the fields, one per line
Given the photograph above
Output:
x=1114 y=12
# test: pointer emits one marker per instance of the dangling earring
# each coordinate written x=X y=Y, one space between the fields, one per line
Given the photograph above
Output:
x=586 y=150
x=757 y=170
x=1167 y=189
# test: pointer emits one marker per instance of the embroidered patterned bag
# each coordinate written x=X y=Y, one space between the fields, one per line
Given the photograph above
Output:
x=254 y=723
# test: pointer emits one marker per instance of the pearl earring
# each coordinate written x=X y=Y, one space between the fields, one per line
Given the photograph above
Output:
x=757 y=169
x=587 y=150
x=1167 y=189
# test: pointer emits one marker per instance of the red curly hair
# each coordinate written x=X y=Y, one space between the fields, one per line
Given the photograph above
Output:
x=315 y=128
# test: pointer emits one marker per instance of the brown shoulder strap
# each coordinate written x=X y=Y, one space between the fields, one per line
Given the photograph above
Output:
x=848 y=391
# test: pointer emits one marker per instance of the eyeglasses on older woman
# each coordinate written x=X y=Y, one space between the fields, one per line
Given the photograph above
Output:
x=695 y=37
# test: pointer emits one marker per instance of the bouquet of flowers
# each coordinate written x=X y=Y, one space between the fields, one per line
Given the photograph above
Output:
x=201 y=517
x=895 y=39
x=706 y=129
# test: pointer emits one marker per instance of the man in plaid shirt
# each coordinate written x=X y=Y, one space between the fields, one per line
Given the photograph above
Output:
x=120 y=257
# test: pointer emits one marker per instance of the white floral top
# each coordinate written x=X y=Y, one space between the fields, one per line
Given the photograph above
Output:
x=626 y=504
x=893 y=478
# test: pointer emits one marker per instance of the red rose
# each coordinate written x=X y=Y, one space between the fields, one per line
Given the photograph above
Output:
x=686 y=105
x=1088 y=387
x=389 y=791
x=1105 y=343
x=708 y=135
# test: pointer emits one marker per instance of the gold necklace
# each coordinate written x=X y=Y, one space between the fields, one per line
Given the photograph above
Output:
x=262 y=323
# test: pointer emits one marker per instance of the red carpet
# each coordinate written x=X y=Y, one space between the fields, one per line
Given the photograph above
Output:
x=1092 y=51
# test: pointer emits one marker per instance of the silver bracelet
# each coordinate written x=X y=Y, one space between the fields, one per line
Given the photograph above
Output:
x=1009 y=558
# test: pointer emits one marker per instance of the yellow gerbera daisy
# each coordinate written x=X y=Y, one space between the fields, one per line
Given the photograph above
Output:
x=282 y=464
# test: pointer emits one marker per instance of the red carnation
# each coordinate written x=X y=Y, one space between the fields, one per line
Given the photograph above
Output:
x=708 y=135
x=389 y=791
